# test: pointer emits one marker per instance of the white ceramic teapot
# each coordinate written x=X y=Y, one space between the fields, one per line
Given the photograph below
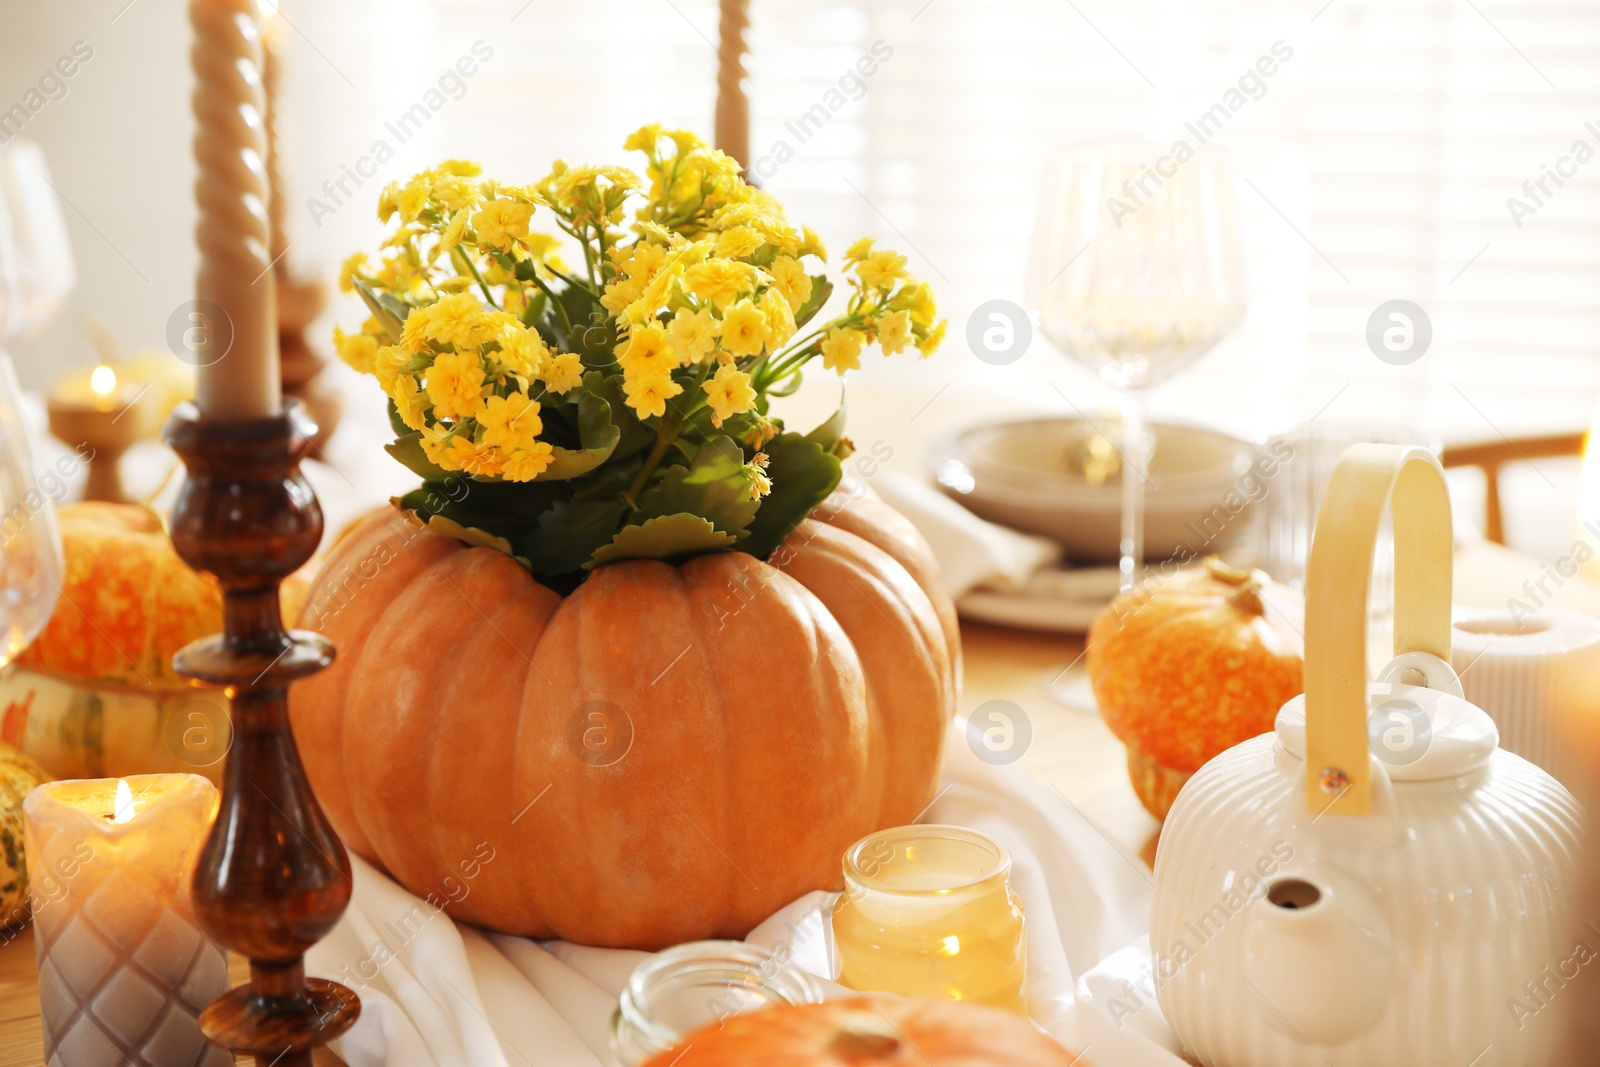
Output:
x=1376 y=883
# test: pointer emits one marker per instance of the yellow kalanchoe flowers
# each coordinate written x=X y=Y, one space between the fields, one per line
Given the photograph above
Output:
x=598 y=329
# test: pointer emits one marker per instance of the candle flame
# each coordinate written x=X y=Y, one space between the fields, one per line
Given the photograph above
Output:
x=103 y=380
x=122 y=809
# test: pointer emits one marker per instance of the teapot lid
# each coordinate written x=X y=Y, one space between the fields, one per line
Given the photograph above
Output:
x=1418 y=734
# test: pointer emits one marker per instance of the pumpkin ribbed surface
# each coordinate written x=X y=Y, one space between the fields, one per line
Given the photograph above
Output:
x=18 y=777
x=668 y=753
x=863 y=1032
x=1187 y=669
x=127 y=601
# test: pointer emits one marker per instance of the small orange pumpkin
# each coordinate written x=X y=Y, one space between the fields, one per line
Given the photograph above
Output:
x=1187 y=669
x=666 y=754
x=127 y=601
x=870 y=1032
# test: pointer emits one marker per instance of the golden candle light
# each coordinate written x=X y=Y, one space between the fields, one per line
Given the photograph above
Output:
x=235 y=289
x=928 y=911
x=123 y=970
x=106 y=414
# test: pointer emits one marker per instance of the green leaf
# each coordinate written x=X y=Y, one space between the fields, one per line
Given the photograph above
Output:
x=470 y=534
x=803 y=473
x=538 y=303
x=664 y=537
x=713 y=486
x=593 y=335
x=829 y=433
x=636 y=436
x=408 y=450
x=785 y=386
x=598 y=435
x=388 y=309
x=396 y=423
x=821 y=289
x=504 y=507
x=569 y=533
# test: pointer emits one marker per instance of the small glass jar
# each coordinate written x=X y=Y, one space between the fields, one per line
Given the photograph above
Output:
x=682 y=989
x=928 y=911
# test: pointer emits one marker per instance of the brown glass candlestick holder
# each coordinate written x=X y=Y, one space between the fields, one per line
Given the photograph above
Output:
x=273 y=877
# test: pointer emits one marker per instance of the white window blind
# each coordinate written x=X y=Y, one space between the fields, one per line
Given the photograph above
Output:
x=1384 y=151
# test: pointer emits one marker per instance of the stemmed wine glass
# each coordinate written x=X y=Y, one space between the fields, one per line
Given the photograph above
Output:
x=1136 y=273
x=36 y=276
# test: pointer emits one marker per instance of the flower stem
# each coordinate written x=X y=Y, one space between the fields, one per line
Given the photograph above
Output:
x=472 y=267
x=664 y=438
x=566 y=323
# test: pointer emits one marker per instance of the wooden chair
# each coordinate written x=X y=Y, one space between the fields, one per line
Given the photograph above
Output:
x=1490 y=456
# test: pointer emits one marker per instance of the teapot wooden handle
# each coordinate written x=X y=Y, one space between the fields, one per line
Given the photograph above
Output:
x=1338 y=576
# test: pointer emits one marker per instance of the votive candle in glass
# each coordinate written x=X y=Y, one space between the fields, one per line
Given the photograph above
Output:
x=676 y=992
x=928 y=911
x=123 y=970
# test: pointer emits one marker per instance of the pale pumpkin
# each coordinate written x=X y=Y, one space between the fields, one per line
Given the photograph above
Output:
x=19 y=776
x=95 y=695
x=870 y=1032
x=1186 y=668
x=668 y=753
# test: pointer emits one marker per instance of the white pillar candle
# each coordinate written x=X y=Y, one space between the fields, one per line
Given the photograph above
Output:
x=123 y=970
x=236 y=294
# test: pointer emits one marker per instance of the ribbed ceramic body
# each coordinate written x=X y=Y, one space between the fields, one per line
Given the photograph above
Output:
x=1429 y=934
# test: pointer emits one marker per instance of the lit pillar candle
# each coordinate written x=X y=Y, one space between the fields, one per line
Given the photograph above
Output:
x=123 y=970
x=237 y=339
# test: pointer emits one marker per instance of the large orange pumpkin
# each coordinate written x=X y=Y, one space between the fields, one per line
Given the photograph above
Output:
x=1186 y=669
x=666 y=754
x=870 y=1032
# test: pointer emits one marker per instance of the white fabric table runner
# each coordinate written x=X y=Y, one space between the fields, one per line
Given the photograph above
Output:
x=439 y=994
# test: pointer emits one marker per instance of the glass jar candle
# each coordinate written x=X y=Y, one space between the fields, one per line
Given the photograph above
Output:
x=682 y=989
x=928 y=911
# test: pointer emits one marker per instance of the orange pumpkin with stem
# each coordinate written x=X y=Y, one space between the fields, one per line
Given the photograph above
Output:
x=870 y=1032
x=1185 y=670
x=665 y=754
x=127 y=601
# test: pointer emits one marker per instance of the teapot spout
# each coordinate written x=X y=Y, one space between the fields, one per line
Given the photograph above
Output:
x=1319 y=956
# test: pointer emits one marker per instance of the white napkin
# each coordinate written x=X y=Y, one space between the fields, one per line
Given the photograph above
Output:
x=972 y=552
x=435 y=992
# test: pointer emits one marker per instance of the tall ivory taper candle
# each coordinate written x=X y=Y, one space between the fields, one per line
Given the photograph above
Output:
x=272 y=31
x=237 y=333
x=732 y=131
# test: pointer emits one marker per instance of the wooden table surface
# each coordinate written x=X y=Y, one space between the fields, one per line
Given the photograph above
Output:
x=1071 y=750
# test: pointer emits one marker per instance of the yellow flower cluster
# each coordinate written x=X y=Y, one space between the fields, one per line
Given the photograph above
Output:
x=716 y=277
x=697 y=307
x=889 y=307
x=466 y=377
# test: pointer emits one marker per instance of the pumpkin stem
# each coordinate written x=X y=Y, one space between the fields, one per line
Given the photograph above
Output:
x=1247 y=600
x=864 y=1039
x=1224 y=573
